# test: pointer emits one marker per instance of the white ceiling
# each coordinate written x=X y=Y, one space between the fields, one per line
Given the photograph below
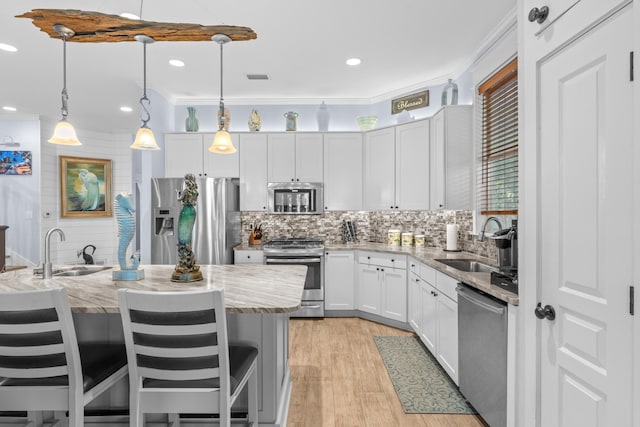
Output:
x=301 y=45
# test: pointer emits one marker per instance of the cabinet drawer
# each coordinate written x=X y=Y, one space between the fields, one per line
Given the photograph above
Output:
x=374 y=258
x=428 y=274
x=447 y=285
x=248 y=257
x=414 y=266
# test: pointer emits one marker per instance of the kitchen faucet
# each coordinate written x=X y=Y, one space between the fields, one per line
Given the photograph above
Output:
x=47 y=268
x=491 y=218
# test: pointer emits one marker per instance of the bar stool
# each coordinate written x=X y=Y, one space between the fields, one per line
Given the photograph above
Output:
x=179 y=357
x=42 y=367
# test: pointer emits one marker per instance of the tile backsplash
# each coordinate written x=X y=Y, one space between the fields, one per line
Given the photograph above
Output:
x=371 y=227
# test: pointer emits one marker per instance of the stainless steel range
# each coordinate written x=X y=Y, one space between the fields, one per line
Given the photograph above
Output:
x=302 y=251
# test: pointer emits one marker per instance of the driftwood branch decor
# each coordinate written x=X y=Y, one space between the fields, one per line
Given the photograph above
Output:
x=96 y=27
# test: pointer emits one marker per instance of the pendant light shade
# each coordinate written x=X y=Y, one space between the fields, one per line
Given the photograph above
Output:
x=64 y=133
x=145 y=140
x=222 y=143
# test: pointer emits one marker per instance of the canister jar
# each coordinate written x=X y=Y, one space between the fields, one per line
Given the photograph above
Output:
x=393 y=237
x=419 y=240
x=407 y=239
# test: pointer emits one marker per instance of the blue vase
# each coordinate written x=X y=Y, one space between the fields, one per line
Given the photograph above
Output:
x=191 y=124
x=450 y=93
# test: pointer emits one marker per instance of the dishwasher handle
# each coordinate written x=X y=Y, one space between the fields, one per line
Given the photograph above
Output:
x=477 y=299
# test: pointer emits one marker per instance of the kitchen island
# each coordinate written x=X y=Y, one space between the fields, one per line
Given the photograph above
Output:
x=258 y=299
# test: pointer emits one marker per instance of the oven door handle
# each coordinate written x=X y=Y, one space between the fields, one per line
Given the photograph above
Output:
x=292 y=260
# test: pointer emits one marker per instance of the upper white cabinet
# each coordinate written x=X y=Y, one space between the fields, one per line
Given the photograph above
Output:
x=189 y=153
x=396 y=167
x=343 y=171
x=412 y=165
x=452 y=158
x=379 y=169
x=253 y=172
x=295 y=157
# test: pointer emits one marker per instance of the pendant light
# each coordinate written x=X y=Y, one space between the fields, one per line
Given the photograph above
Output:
x=222 y=143
x=64 y=133
x=145 y=140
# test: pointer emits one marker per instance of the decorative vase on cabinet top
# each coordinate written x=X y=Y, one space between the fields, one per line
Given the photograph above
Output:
x=292 y=121
x=191 y=123
x=449 y=87
x=254 y=121
x=323 y=117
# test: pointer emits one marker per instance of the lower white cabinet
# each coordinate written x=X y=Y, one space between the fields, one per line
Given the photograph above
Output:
x=414 y=301
x=382 y=285
x=339 y=280
x=248 y=256
x=434 y=309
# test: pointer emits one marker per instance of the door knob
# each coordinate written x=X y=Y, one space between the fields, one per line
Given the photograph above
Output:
x=539 y=15
x=545 y=312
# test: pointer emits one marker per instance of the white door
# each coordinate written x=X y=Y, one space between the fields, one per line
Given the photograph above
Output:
x=379 y=169
x=183 y=154
x=309 y=157
x=281 y=157
x=343 y=171
x=447 y=335
x=253 y=172
x=412 y=166
x=339 y=280
x=221 y=165
x=585 y=251
x=394 y=293
x=428 y=332
x=369 y=288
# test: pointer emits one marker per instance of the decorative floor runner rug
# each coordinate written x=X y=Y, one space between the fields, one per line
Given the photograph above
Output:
x=421 y=384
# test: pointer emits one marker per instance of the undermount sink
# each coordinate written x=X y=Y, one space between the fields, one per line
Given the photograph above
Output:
x=79 y=271
x=468 y=265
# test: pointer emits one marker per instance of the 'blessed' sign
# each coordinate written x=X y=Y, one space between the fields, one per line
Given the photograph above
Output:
x=410 y=102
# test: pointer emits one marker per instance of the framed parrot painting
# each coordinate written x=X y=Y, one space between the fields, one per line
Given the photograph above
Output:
x=85 y=187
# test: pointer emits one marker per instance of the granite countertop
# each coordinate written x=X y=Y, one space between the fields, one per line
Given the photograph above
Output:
x=249 y=288
x=428 y=256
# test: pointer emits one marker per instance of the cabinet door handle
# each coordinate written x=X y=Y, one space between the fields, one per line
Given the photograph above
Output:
x=538 y=15
x=382 y=269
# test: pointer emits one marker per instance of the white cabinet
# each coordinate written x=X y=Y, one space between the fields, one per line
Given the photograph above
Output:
x=339 y=280
x=189 y=153
x=379 y=169
x=451 y=172
x=382 y=285
x=412 y=165
x=438 y=328
x=295 y=157
x=414 y=302
x=248 y=256
x=396 y=167
x=343 y=171
x=253 y=172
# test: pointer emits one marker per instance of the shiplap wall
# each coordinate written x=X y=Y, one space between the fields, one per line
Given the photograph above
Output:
x=79 y=232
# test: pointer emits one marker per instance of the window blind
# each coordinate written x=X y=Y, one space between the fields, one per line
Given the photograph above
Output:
x=497 y=192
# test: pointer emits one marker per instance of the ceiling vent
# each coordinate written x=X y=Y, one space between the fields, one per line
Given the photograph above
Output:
x=258 y=76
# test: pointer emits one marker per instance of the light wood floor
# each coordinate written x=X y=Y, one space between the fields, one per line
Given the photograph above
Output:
x=339 y=378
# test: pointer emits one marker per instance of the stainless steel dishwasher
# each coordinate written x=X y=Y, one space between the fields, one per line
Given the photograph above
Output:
x=482 y=353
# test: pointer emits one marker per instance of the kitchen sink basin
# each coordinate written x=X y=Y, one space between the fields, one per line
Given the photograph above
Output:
x=79 y=271
x=468 y=265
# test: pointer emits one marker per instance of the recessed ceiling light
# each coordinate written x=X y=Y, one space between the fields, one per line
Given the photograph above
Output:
x=353 y=61
x=8 y=108
x=176 y=63
x=130 y=16
x=8 y=47
x=126 y=109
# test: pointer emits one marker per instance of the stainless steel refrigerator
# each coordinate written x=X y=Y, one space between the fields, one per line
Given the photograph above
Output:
x=217 y=227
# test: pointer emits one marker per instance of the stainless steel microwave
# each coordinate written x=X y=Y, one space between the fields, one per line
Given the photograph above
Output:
x=295 y=198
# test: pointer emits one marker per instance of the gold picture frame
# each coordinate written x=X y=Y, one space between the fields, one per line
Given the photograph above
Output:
x=85 y=187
